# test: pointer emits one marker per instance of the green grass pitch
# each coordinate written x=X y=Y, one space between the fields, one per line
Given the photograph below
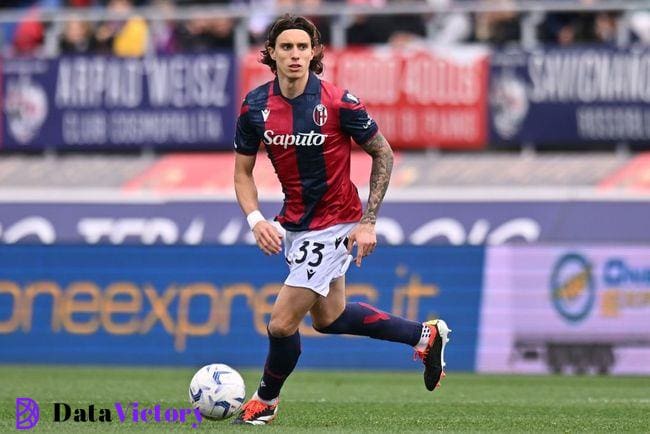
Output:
x=354 y=402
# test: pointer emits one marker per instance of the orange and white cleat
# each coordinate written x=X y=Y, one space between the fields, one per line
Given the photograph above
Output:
x=433 y=356
x=255 y=412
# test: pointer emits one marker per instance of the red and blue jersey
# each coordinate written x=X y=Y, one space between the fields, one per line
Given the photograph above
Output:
x=308 y=140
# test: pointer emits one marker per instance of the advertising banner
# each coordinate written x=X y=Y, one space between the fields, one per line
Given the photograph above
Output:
x=420 y=98
x=579 y=308
x=414 y=223
x=96 y=102
x=199 y=305
x=570 y=95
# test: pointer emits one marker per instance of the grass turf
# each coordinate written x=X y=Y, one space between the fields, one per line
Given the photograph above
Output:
x=355 y=402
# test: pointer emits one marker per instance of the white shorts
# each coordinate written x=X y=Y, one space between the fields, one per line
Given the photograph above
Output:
x=316 y=258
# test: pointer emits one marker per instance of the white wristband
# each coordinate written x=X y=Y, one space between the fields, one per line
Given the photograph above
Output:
x=254 y=218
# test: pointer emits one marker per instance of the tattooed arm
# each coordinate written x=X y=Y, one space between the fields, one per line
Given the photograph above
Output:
x=382 y=165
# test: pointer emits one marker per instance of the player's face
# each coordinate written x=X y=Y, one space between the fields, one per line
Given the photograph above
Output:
x=292 y=53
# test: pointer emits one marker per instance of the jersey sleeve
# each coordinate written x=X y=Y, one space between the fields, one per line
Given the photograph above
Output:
x=247 y=141
x=355 y=120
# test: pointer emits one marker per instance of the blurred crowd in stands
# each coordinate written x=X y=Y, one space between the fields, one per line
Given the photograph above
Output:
x=132 y=35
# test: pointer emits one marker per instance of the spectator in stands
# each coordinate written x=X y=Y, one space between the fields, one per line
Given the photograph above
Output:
x=405 y=29
x=564 y=28
x=605 y=27
x=498 y=28
x=206 y=34
x=77 y=37
x=126 y=36
x=568 y=28
x=29 y=35
x=164 y=33
x=367 y=29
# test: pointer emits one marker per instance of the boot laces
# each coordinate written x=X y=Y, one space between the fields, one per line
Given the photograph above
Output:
x=252 y=408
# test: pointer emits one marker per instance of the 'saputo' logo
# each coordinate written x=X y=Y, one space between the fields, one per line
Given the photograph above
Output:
x=311 y=138
x=572 y=287
x=26 y=413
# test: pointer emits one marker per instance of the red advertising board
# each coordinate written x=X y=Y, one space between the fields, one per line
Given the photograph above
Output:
x=424 y=98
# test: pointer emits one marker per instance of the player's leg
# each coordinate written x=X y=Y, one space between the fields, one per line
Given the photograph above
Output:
x=361 y=319
x=291 y=306
x=333 y=315
x=327 y=309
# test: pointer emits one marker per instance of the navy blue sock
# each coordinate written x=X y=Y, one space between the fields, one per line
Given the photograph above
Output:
x=361 y=319
x=282 y=358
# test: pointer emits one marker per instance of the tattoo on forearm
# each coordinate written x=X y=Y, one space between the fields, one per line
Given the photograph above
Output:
x=382 y=166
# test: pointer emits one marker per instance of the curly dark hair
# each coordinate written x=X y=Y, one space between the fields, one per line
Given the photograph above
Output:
x=288 y=22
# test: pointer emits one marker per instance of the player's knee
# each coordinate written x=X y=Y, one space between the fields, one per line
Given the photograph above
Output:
x=281 y=328
x=321 y=326
x=323 y=321
x=327 y=325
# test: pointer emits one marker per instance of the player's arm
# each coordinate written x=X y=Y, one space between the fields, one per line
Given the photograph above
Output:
x=382 y=166
x=266 y=235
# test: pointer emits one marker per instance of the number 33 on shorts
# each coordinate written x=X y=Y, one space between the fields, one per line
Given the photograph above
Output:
x=315 y=258
x=317 y=250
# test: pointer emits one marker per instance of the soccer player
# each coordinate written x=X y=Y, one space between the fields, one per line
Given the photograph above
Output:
x=306 y=125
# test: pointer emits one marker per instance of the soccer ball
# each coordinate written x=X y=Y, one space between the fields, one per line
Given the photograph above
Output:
x=217 y=390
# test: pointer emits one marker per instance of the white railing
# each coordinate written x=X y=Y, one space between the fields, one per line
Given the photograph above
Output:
x=241 y=11
x=532 y=12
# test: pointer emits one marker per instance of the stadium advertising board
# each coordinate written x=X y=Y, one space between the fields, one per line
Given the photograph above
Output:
x=96 y=102
x=416 y=223
x=420 y=98
x=570 y=95
x=194 y=305
x=566 y=308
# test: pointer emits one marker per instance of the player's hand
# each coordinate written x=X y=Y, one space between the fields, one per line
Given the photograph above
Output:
x=268 y=239
x=365 y=238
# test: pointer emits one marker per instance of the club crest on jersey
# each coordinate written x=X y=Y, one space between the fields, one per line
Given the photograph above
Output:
x=320 y=115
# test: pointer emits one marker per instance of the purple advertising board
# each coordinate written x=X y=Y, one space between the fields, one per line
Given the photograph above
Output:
x=580 y=94
x=571 y=308
x=99 y=102
x=416 y=223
